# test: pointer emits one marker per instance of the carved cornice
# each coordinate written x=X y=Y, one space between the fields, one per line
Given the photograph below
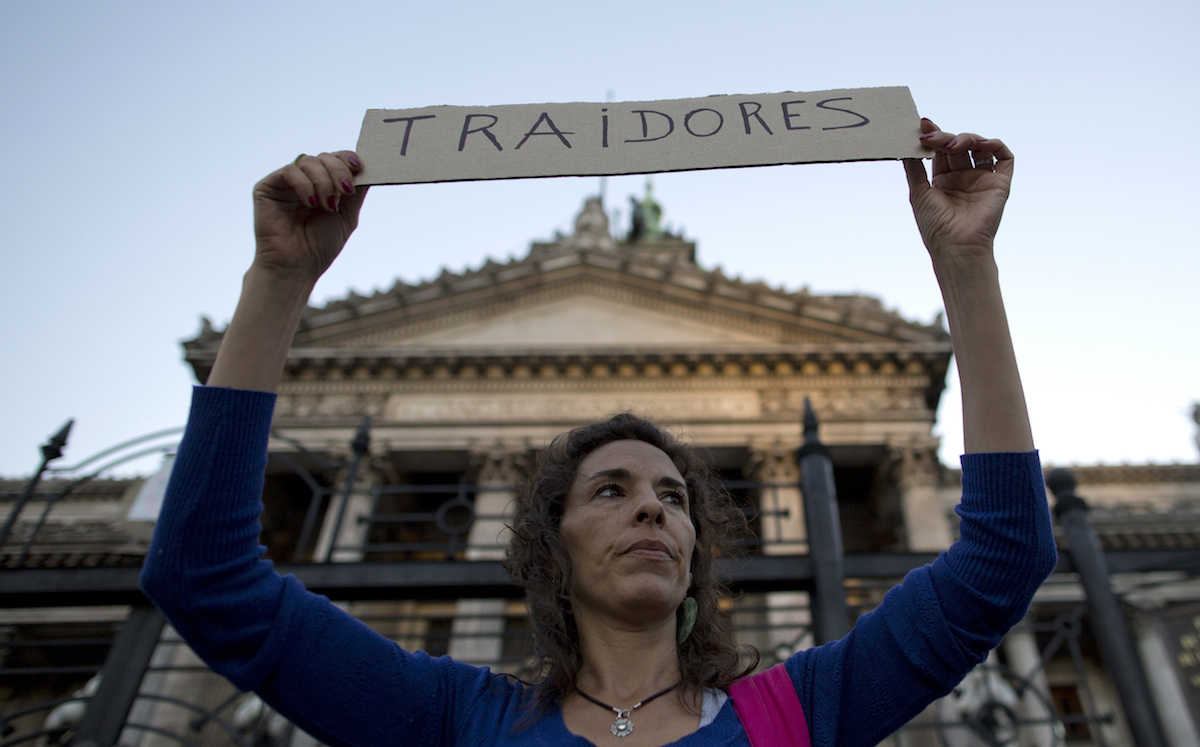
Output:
x=82 y=557
x=75 y=544
x=98 y=490
x=852 y=366
x=845 y=359
x=1119 y=474
x=1108 y=474
x=775 y=388
x=1137 y=526
x=1140 y=513
x=850 y=383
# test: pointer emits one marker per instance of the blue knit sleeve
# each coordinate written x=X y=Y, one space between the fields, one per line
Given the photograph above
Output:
x=326 y=671
x=345 y=684
x=943 y=619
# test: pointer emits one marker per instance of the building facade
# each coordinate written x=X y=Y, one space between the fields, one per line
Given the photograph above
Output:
x=406 y=420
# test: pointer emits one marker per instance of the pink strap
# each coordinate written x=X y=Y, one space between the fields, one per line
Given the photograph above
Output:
x=770 y=710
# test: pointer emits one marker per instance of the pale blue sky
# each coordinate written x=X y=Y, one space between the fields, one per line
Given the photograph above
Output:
x=133 y=133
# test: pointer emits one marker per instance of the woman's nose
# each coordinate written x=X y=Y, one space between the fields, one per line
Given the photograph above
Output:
x=649 y=509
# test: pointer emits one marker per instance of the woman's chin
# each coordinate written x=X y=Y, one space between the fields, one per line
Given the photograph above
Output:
x=648 y=601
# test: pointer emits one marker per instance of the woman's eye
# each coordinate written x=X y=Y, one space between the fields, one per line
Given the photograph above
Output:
x=673 y=497
x=609 y=491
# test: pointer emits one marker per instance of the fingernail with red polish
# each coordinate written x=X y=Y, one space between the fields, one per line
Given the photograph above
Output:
x=347 y=187
x=927 y=135
x=332 y=202
x=312 y=201
x=355 y=162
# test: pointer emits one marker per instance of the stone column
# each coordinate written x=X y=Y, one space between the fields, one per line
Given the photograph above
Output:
x=1169 y=698
x=788 y=613
x=204 y=689
x=351 y=532
x=1024 y=659
x=477 y=634
x=925 y=526
x=776 y=467
x=208 y=690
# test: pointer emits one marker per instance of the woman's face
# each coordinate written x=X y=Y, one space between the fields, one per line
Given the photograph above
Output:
x=628 y=531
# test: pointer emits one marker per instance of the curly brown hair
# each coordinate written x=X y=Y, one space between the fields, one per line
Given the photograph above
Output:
x=537 y=559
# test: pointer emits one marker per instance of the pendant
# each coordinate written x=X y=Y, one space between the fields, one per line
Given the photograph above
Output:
x=622 y=726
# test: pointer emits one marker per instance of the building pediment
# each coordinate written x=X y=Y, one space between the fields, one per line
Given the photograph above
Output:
x=582 y=306
x=582 y=319
x=596 y=297
x=580 y=292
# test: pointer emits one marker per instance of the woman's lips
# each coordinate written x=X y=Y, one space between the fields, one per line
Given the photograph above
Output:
x=653 y=554
x=649 y=549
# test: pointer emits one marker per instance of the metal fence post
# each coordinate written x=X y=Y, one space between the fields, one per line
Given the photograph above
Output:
x=831 y=619
x=121 y=678
x=51 y=450
x=359 y=447
x=1108 y=622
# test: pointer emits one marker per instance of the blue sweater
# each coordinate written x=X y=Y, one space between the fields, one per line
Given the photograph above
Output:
x=347 y=685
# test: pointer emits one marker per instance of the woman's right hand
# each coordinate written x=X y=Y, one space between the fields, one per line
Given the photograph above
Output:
x=305 y=212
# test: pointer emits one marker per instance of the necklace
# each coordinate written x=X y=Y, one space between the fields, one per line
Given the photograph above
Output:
x=622 y=725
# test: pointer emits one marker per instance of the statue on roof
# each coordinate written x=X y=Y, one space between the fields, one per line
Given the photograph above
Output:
x=591 y=227
x=647 y=217
x=1196 y=420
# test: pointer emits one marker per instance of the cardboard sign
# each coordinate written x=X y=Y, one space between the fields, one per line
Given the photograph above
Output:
x=456 y=143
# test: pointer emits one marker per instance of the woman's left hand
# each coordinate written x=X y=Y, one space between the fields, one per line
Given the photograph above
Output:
x=959 y=213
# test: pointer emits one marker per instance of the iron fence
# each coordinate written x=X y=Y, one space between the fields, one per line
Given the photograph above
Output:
x=410 y=565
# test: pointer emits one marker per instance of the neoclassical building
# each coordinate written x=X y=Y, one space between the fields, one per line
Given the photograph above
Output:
x=462 y=373
x=406 y=419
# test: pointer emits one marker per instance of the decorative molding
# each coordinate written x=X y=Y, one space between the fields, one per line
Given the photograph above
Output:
x=854 y=362
x=567 y=407
x=843 y=382
x=98 y=490
x=111 y=543
x=914 y=465
x=330 y=404
x=693 y=399
x=1118 y=474
x=773 y=463
x=775 y=389
x=1106 y=474
x=502 y=465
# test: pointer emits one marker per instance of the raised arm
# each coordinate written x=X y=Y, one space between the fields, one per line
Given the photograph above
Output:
x=303 y=215
x=945 y=617
x=336 y=678
x=958 y=215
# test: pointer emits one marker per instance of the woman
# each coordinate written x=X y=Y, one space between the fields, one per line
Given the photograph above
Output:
x=615 y=533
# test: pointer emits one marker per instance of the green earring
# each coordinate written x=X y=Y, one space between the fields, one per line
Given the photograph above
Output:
x=687 y=619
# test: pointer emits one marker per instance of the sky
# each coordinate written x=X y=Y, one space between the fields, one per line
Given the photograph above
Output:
x=135 y=132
